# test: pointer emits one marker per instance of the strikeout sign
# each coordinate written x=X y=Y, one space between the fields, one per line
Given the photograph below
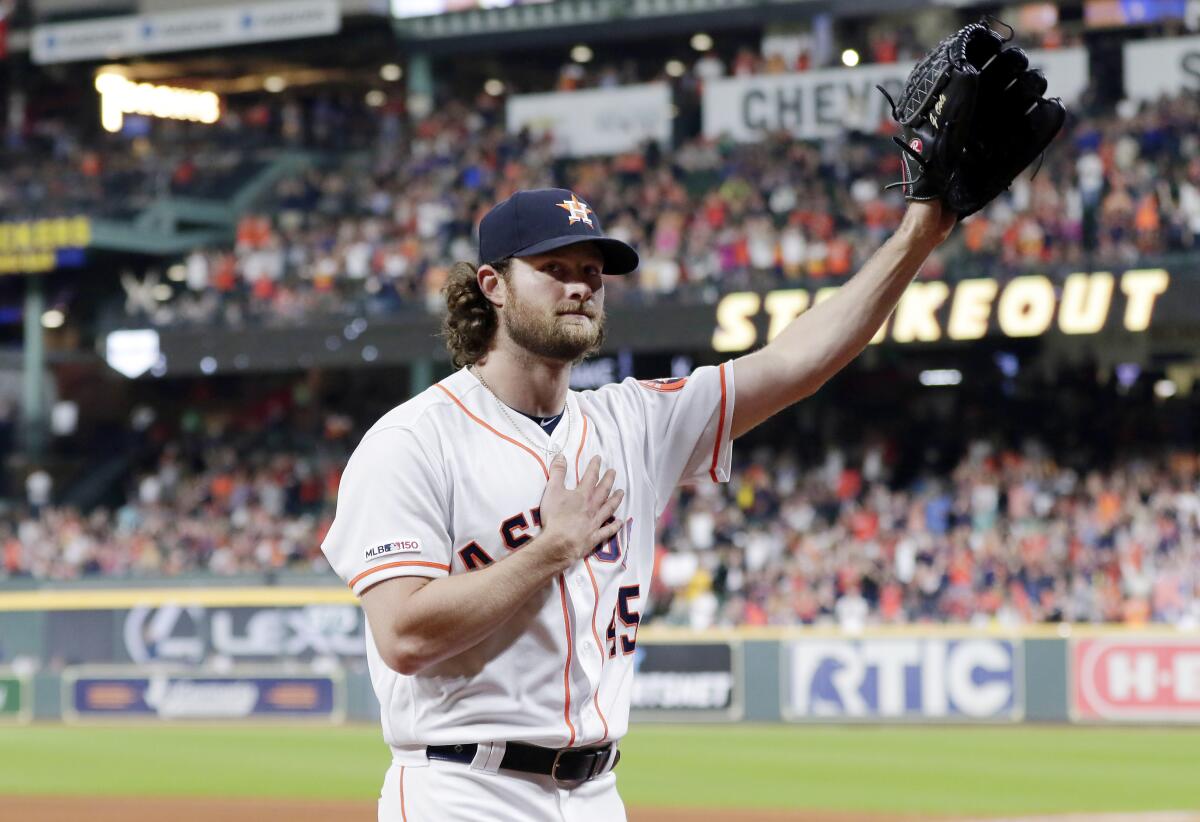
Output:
x=1026 y=306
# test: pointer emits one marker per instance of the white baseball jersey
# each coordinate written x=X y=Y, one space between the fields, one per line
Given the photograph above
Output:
x=443 y=485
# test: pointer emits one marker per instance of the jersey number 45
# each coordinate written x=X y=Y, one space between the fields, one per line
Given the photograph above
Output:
x=629 y=620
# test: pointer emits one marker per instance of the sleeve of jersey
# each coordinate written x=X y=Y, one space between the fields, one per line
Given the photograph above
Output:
x=392 y=514
x=688 y=426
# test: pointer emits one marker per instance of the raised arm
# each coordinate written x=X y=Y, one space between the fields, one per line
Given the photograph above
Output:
x=821 y=341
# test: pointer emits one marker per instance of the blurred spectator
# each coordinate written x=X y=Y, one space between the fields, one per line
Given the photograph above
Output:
x=39 y=486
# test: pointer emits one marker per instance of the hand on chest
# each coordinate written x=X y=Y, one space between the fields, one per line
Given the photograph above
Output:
x=495 y=516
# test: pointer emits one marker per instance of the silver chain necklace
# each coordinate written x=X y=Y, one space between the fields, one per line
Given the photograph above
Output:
x=550 y=452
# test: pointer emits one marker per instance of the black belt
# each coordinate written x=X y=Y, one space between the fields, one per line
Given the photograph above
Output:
x=569 y=767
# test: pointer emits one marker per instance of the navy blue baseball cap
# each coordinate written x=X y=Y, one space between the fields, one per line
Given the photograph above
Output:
x=543 y=219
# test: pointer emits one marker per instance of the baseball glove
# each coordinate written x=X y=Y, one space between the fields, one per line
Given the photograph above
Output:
x=972 y=117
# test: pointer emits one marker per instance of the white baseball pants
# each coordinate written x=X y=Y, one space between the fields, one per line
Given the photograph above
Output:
x=443 y=791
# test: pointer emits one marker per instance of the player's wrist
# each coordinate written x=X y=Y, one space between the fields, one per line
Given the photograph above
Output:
x=556 y=549
x=926 y=223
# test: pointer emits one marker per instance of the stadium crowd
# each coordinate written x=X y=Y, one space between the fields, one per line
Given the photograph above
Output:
x=375 y=234
x=228 y=512
x=55 y=170
x=1006 y=536
x=1010 y=536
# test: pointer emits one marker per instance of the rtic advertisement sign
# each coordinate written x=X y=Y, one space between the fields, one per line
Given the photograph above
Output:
x=193 y=634
x=1130 y=680
x=686 y=679
x=199 y=696
x=903 y=679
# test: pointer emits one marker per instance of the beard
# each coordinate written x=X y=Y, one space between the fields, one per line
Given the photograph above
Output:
x=552 y=335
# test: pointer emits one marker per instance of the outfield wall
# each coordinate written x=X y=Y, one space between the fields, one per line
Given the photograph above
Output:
x=296 y=653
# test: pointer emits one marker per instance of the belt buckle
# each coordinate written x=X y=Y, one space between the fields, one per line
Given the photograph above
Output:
x=599 y=760
x=565 y=784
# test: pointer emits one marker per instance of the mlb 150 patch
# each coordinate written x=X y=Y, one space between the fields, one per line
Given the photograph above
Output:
x=403 y=546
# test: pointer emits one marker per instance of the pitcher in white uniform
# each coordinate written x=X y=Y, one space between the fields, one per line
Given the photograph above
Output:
x=499 y=528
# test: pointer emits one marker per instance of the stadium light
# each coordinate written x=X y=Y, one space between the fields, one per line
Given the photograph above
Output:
x=53 y=318
x=274 y=84
x=701 y=41
x=494 y=87
x=391 y=72
x=675 y=68
x=850 y=58
x=940 y=376
x=581 y=54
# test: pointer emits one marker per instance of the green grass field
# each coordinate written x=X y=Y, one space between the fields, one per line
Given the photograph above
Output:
x=954 y=770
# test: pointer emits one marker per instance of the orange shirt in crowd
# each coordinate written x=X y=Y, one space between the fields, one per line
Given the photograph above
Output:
x=864 y=524
x=1145 y=219
x=221 y=487
x=891 y=598
x=754 y=614
x=264 y=288
x=253 y=231
x=1108 y=508
x=12 y=556
x=840 y=257
x=225 y=273
x=975 y=233
x=849 y=484
x=959 y=570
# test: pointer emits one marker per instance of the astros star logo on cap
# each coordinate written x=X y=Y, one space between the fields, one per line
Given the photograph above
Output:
x=578 y=210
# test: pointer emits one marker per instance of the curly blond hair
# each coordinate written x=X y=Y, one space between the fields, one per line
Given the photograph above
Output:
x=471 y=319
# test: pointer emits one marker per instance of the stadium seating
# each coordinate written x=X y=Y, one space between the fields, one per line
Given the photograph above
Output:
x=370 y=235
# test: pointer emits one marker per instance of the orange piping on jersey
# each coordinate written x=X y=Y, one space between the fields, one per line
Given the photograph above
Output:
x=712 y=471
x=600 y=647
x=595 y=591
x=562 y=592
x=666 y=388
x=579 y=453
x=524 y=448
x=403 y=813
x=387 y=565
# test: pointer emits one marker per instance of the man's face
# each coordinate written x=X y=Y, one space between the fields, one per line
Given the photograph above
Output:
x=555 y=302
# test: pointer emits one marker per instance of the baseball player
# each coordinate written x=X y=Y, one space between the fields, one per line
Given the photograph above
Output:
x=499 y=528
